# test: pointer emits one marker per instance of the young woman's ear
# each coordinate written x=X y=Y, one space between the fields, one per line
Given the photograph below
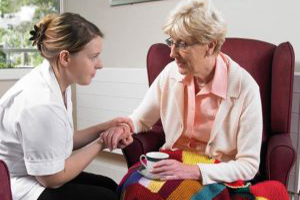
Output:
x=64 y=58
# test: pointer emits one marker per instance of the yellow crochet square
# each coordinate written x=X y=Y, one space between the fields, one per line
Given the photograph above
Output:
x=192 y=158
x=155 y=186
x=260 y=198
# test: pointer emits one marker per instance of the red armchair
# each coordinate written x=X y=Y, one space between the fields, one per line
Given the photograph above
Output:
x=273 y=69
x=5 y=189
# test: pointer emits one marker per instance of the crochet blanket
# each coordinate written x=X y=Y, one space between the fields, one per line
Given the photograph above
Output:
x=134 y=186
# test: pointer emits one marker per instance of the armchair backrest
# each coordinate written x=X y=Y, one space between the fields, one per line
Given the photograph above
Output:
x=272 y=67
x=5 y=189
x=157 y=58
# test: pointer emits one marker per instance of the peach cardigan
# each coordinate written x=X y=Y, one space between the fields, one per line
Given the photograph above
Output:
x=237 y=131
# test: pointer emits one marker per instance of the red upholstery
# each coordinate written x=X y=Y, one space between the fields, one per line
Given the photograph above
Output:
x=5 y=190
x=273 y=69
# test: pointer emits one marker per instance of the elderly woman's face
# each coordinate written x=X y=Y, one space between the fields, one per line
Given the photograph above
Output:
x=192 y=59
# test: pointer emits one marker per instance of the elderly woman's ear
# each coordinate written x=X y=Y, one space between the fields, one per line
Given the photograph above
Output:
x=211 y=48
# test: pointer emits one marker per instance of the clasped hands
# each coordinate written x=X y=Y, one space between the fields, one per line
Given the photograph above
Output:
x=118 y=134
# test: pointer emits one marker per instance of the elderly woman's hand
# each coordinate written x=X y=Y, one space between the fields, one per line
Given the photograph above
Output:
x=175 y=170
x=117 y=137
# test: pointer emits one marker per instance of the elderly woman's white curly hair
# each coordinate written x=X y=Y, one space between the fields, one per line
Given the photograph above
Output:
x=196 y=21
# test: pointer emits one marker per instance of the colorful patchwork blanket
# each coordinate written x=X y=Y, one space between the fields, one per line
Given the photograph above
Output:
x=135 y=186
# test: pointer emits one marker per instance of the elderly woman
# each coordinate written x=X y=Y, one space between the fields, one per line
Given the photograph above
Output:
x=207 y=103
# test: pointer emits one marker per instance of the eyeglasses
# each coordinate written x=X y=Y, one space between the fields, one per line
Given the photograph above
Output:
x=179 y=44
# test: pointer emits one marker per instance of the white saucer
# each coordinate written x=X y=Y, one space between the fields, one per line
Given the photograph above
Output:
x=143 y=171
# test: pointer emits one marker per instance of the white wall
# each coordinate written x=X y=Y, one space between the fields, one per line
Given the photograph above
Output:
x=131 y=29
x=113 y=92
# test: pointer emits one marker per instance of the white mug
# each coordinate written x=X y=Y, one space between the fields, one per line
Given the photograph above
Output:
x=152 y=158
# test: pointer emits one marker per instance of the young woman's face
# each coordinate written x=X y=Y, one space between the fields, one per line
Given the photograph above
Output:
x=84 y=63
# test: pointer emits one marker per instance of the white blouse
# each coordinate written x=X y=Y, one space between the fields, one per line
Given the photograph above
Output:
x=36 y=130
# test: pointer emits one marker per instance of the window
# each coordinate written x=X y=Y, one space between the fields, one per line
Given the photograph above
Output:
x=17 y=18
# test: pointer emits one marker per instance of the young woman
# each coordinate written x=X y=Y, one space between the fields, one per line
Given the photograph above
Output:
x=36 y=129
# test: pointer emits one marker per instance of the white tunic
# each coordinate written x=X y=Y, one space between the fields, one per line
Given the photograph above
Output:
x=36 y=130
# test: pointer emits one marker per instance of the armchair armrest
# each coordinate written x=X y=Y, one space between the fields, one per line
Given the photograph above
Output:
x=5 y=188
x=281 y=156
x=142 y=143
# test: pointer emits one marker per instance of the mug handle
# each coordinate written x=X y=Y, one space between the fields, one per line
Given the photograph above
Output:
x=142 y=161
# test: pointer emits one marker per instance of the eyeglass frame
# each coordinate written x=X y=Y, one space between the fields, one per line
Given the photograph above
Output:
x=178 y=45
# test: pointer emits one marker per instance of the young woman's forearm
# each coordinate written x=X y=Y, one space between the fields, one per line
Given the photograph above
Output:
x=86 y=136
x=74 y=165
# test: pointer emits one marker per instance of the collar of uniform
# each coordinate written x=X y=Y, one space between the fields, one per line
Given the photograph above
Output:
x=49 y=76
